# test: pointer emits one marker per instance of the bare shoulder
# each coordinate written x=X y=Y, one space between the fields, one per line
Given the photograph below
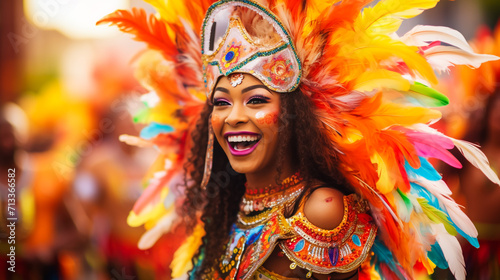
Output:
x=324 y=208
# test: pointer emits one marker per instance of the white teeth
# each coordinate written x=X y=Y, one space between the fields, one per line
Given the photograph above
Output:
x=242 y=138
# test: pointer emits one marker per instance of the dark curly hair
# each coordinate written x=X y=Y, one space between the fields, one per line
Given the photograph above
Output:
x=301 y=135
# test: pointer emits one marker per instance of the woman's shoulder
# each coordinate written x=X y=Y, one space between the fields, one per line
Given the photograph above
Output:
x=333 y=231
x=324 y=207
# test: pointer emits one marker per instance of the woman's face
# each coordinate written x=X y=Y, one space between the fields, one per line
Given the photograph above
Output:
x=245 y=123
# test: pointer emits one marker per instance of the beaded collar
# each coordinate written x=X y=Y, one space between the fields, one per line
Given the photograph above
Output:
x=258 y=200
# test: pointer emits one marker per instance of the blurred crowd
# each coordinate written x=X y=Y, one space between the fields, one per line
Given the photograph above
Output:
x=66 y=99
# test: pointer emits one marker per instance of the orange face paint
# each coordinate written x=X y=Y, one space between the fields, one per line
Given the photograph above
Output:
x=269 y=118
x=216 y=120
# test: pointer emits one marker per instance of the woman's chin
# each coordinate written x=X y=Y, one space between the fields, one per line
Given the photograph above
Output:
x=242 y=168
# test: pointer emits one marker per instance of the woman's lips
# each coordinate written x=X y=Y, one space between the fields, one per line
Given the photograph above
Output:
x=237 y=139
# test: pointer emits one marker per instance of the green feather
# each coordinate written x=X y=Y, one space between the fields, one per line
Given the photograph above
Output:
x=427 y=96
x=436 y=216
x=142 y=116
x=406 y=200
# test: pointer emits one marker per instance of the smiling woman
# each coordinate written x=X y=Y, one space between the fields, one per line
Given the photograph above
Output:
x=250 y=144
x=308 y=156
x=258 y=137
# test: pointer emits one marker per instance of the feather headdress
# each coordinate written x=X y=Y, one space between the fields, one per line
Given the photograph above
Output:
x=371 y=90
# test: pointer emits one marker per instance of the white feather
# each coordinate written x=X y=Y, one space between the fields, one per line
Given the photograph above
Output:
x=403 y=211
x=164 y=225
x=134 y=141
x=442 y=57
x=476 y=158
x=421 y=35
x=441 y=191
x=451 y=250
x=470 y=151
x=354 y=98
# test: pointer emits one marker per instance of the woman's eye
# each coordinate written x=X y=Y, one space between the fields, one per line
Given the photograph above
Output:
x=221 y=102
x=258 y=100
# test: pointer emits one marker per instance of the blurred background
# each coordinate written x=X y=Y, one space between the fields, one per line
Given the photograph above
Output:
x=67 y=91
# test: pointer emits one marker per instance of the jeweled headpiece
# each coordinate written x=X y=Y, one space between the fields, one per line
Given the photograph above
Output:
x=228 y=47
x=370 y=91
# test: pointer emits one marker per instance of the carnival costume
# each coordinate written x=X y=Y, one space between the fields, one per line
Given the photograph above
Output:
x=371 y=91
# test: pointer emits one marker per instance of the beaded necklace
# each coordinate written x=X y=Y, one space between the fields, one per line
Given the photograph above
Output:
x=272 y=196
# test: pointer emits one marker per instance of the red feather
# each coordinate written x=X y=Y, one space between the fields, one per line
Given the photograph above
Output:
x=146 y=29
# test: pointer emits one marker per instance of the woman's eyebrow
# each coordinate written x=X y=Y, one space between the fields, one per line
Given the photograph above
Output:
x=222 y=89
x=253 y=87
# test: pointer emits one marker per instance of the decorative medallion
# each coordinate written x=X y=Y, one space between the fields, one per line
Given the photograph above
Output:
x=235 y=79
x=279 y=70
x=232 y=54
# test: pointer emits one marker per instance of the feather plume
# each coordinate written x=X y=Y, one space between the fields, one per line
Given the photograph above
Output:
x=436 y=216
x=443 y=57
x=386 y=16
x=372 y=80
x=164 y=225
x=470 y=151
x=421 y=35
x=476 y=158
x=433 y=145
x=439 y=196
x=146 y=29
x=385 y=115
x=135 y=141
x=437 y=99
x=451 y=251
x=426 y=170
x=182 y=263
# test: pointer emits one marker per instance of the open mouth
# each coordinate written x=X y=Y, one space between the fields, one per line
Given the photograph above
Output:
x=242 y=144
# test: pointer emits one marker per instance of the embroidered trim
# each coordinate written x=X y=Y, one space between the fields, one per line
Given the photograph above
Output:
x=341 y=249
x=272 y=196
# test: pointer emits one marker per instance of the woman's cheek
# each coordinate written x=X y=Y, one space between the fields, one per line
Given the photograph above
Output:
x=267 y=118
x=216 y=121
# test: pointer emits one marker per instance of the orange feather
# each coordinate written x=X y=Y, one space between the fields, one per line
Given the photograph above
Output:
x=146 y=29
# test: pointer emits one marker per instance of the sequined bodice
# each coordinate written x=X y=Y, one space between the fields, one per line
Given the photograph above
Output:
x=254 y=237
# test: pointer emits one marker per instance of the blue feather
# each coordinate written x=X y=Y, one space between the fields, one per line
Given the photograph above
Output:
x=384 y=256
x=153 y=129
x=420 y=191
x=437 y=257
x=472 y=240
x=426 y=170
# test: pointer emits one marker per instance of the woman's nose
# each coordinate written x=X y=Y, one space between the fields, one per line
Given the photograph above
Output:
x=236 y=116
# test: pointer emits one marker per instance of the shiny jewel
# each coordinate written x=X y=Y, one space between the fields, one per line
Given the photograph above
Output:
x=299 y=246
x=333 y=254
x=355 y=240
x=309 y=274
x=229 y=56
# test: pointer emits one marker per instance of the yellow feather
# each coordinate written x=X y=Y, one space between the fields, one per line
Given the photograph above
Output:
x=151 y=213
x=161 y=7
x=360 y=51
x=316 y=7
x=381 y=78
x=428 y=264
x=386 y=182
x=389 y=114
x=386 y=16
x=182 y=263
